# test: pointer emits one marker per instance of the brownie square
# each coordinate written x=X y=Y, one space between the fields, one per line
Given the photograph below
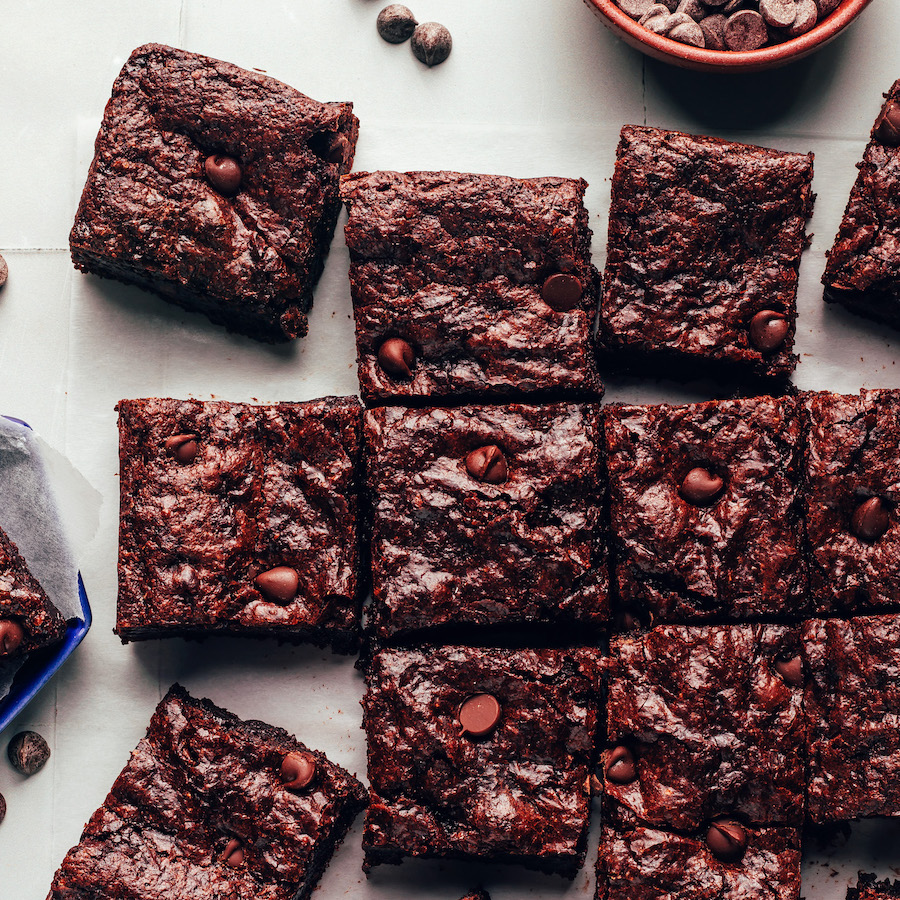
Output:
x=867 y=888
x=206 y=808
x=239 y=519
x=216 y=188
x=706 y=721
x=851 y=491
x=486 y=516
x=705 y=238
x=853 y=704
x=705 y=513
x=470 y=286
x=863 y=269
x=640 y=862
x=480 y=754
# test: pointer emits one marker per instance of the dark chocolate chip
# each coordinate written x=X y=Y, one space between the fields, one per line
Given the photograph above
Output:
x=233 y=854
x=887 y=128
x=4 y=271
x=278 y=585
x=789 y=666
x=562 y=291
x=224 y=174
x=183 y=447
x=768 y=330
x=396 y=357
x=396 y=23
x=479 y=715
x=727 y=840
x=337 y=149
x=487 y=464
x=700 y=486
x=870 y=519
x=187 y=578
x=713 y=28
x=28 y=752
x=778 y=13
x=620 y=766
x=745 y=30
x=431 y=43
x=298 y=770
x=11 y=636
x=807 y=16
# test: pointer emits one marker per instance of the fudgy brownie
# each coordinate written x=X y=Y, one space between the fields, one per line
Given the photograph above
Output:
x=707 y=721
x=863 y=269
x=216 y=188
x=705 y=238
x=469 y=286
x=852 y=704
x=239 y=519
x=211 y=806
x=723 y=860
x=705 y=510
x=852 y=490
x=28 y=618
x=867 y=888
x=480 y=753
x=487 y=516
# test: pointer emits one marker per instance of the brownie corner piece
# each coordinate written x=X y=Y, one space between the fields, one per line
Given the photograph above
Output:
x=216 y=188
x=868 y=887
x=863 y=271
x=705 y=240
x=482 y=754
x=219 y=806
x=471 y=286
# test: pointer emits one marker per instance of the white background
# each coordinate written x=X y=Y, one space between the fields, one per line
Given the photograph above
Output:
x=533 y=87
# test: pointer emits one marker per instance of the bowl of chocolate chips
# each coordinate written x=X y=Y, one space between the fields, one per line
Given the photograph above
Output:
x=727 y=35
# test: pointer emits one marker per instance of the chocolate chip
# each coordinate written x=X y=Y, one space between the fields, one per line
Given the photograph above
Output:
x=330 y=146
x=298 y=770
x=634 y=8
x=870 y=519
x=768 y=330
x=807 y=16
x=183 y=447
x=233 y=854
x=4 y=271
x=224 y=174
x=789 y=666
x=28 y=752
x=593 y=786
x=693 y=8
x=487 y=464
x=887 y=128
x=396 y=357
x=700 y=486
x=713 y=28
x=620 y=766
x=745 y=30
x=778 y=13
x=656 y=19
x=396 y=23
x=688 y=33
x=187 y=578
x=561 y=292
x=11 y=636
x=278 y=585
x=727 y=840
x=827 y=7
x=431 y=43
x=479 y=715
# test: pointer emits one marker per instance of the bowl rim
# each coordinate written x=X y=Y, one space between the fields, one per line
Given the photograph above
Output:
x=734 y=59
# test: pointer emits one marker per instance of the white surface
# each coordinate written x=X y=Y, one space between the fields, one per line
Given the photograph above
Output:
x=533 y=87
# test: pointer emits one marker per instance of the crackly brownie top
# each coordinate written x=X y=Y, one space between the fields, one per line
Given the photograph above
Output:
x=148 y=205
x=486 y=515
x=705 y=721
x=704 y=504
x=852 y=704
x=868 y=888
x=703 y=235
x=640 y=862
x=487 y=280
x=203 y=810
x=480 y=752
x=216 y=494
x=852 y=491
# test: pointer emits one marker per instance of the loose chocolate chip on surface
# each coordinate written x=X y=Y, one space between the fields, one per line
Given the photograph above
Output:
x=870 y=519
x=183 y=447
x=768 y=330
x=562 y=292
x=488 y=464
x=700 y=486
x=28 y=752
x=298 y=770
x=431 y=43
x=223 y=173
x=479 y=715
x=396 y=23
x=778 y=13
x=278 y=585
x=233 y=854
x=789 y=666
x=727 y=840
x=396 y=357
x=745 y=30
x=620 y=766
x=4 y=271
x=11 y=636
x=887 y=128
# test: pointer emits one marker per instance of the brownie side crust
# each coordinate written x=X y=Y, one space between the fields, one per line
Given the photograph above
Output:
x=150 y=216
x=704 y=235
x=202 y=811
x=454 y=265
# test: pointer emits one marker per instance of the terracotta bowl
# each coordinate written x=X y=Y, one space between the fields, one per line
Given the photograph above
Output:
x=726 y=60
